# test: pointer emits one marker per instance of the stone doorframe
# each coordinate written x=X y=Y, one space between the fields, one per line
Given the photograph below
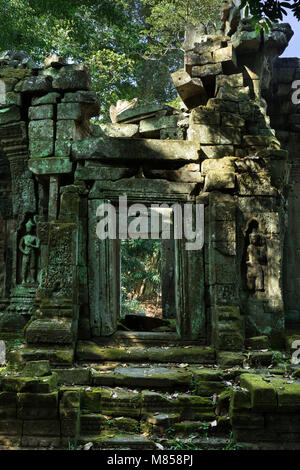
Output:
x=104 y=264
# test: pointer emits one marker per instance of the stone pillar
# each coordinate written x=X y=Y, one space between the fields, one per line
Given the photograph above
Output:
x=168 y=278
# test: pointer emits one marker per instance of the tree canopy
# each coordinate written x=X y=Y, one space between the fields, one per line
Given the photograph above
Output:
x=131 y=45
x=270 y=11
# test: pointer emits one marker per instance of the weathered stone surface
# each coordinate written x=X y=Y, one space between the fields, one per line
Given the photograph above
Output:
x=228 y=359
x=102 y=172
x=62 y=356
x=141 y=186
x=72 y=79
x=41 y=148
x=151 y=377
x=10 y=114
x=120 y=130
x=197 y=59
x=73 y=376
x=210 y=70
x=87 y=350
x=35 y=84
x=228 y=81
x=41 y=134
x=225 y=164
x=62 y=148
x=134 y=149
x=36 y=369
x=219 y=181
x=255 y=183
x=190 y=90
x=225 y=54
x=66 y=130
x=28 y=384
x=37 y=405
x=262 y=393
x=148 y=127
x=50 y=166
x=202 y=115
x=49 y=98
x=49 y=427
x=177 y=175
x=209 y=135
x=41 y=112
x=217 y=151
x=51 y=331
x=141 y=112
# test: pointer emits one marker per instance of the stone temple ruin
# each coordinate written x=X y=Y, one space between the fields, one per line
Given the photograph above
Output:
x=233 y=148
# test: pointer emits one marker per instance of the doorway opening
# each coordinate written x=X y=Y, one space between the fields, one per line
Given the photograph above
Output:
x=147 y=286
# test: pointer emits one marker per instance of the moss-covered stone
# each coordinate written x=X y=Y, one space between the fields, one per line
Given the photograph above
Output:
x=37 y=369
x=240 y=400
x=37 y=405
x=88 y=350
x=73 y=376
x=207 y=388
x=262 y=393
x=27 y=384
x=50 y=331
x=120 y=402
x=204 y=373
x=49 y=98
x=91 y=400
x=51 y=166
x=258 y=342
x=228 y=359
x=115 y=440
x=44 y=111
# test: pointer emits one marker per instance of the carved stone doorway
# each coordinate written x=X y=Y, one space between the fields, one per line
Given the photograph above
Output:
x=184 y=294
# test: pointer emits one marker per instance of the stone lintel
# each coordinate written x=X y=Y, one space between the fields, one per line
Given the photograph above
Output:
x=135 y=149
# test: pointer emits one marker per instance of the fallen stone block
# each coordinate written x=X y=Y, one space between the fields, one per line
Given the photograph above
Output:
x=190 y=90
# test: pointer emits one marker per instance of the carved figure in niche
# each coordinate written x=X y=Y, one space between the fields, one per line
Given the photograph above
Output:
x=256 y=260
x=29 y=245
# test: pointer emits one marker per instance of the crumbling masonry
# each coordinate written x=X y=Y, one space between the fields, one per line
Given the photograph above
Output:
x=234 y=148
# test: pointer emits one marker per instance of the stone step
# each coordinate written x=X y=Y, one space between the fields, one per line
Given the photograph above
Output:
x=58 y=356
x=90 y=351
x=204 y=381
x=94 y=423
x=128 y=441
x=203 y=443
x=113 y=440
x=122 y=402
x=158 y=378
x=146 y=339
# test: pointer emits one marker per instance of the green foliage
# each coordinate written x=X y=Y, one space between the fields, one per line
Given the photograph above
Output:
x=167 y=20
x=265 y=12
x=131 y=45
x=140 y=263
